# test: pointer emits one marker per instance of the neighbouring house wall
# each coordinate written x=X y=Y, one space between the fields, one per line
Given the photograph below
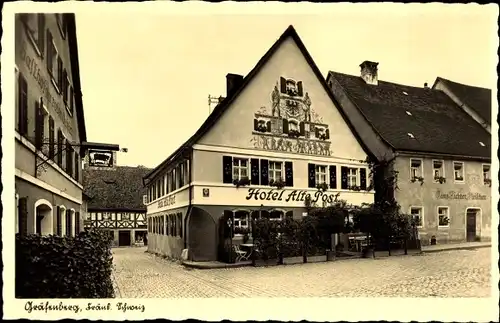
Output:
x=430 y=195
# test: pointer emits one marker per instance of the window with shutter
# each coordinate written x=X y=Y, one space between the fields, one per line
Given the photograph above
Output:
x=264 y=172
x=343 y=176
x=282 y=85
x=285 y=126
x=69 y=158
x=300 y=91
x=255 y=174
x=60 y=76
x=39 y=125
x=71 y=99
x=362 y=174
x=58 y=221
x=77 y=167
x=59 y=148
x=311 y=175
x=77 y=222
x=68 y=223
x=51 y=138
x=23 y=105
x=333 y=176
x=289 y=174
x=227 y=169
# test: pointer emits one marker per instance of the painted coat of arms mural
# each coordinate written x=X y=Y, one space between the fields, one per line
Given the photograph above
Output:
x=291 y=125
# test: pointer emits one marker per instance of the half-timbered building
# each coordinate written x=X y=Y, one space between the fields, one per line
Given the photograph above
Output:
x=116 y=202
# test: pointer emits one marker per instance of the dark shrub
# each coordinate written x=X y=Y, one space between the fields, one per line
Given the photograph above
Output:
x=62 y=267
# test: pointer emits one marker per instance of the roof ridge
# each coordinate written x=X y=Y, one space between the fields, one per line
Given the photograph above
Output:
x=463 y=84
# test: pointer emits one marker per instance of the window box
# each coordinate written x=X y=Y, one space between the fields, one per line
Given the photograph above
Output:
x=322 y=187
x=418 y=179
x=440 y=180
x=241 y=182
x=278 y=183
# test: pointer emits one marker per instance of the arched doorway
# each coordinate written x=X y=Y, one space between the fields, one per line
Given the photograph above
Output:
x=43 y=218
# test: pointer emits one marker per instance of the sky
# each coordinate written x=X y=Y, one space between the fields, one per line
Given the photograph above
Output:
x=146 y=75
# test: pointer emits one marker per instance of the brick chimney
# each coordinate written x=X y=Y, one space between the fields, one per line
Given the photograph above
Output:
x=369 y=72
x=233 y=82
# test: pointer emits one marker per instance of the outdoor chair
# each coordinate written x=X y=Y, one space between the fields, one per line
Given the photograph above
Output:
x=240 y=254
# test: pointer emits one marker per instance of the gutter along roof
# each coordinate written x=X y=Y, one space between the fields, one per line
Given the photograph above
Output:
x=223 y=106
x=414 y=119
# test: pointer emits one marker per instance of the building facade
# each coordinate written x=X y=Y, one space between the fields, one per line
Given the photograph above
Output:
x=276 y=137
x=440 y=154
x=49 y=125
x=116 y=202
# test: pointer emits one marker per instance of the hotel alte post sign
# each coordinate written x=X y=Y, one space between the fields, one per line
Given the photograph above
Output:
x=290 y=196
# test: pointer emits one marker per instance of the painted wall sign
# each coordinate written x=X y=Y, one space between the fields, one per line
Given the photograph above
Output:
x=290 y=196
x=291 y=125
x=45 y=85
x=167 y=201
x=460 y=196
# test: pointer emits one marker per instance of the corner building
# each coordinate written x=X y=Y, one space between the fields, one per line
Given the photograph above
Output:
x=279 y=124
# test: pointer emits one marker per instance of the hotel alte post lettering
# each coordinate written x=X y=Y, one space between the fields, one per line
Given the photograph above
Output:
x=293 y=196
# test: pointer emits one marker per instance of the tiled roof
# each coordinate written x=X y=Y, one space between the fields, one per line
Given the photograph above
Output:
x=437 y=124
x=224 y=105
x=477 y=98
x=119 y=187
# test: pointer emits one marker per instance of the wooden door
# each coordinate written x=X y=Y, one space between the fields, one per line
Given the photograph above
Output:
x=471 y=225
x=124 y=238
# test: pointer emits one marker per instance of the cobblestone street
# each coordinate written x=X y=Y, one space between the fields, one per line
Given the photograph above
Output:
x=459 y=273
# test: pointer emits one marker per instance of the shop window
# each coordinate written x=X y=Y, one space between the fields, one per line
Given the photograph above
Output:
x=438 y=169
x=276 y=215
x=416 y=169
x=443 y=216
x=417 y=214
x=240 y=222
x=458 y=168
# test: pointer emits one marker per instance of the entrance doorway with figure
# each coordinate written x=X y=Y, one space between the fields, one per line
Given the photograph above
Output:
x=472 y=216
x=124 y=238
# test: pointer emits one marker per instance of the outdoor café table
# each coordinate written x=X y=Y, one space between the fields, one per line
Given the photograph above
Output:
x=248 y=246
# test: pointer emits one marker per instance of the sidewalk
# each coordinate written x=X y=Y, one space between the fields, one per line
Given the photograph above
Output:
x=456 y=246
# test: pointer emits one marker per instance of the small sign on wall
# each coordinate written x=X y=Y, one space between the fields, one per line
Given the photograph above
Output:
x=206 y=192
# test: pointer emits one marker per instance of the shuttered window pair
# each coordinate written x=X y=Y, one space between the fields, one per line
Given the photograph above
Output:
x=350 y=176
x=258 y=171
